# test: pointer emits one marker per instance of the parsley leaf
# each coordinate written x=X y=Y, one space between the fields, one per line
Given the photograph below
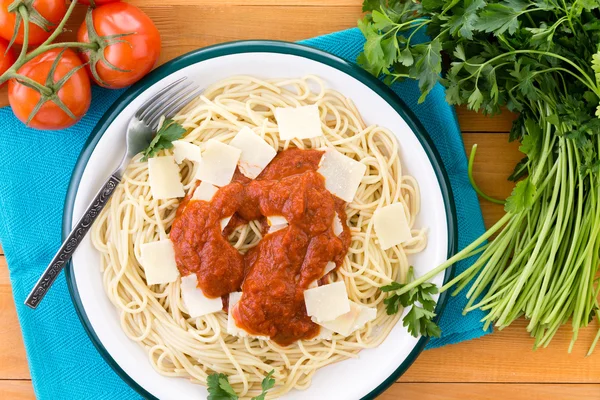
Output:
x=219 y=388
x=427 y=66
x=501 y=17
x=521 y=198
x=463 y=22
x=267 y=383
x=419 y=320
x=531 y=144
x=168 y=132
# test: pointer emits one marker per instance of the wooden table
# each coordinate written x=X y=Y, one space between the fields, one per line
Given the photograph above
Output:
x=498 y=366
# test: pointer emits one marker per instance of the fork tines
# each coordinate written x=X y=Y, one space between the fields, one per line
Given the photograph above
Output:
x=168 y=101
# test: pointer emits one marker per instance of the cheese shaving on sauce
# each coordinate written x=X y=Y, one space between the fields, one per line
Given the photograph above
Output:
x=327 y=302
x=218 y=163
x=232 y=327
x=195 y=301
x=255 y=155
x=342 y=174
x=205 y=191
x=338 y=228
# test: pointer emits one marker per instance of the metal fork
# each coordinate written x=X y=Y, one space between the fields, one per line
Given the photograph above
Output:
x=142 y=126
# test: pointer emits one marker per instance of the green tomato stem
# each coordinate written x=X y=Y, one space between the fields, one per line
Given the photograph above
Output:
x=38 y=86
x=60 y=27
x=25 y=15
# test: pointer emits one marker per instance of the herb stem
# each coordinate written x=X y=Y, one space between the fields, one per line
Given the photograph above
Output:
x=472 y=179
x=458 y=256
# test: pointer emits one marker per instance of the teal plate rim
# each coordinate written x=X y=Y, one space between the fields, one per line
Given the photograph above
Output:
x=254 y=46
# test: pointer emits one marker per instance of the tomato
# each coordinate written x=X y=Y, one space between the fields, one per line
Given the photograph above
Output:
x=7 y=57
x=136 y=56
x=75 y=94
x=52 y=10
x=95 y=3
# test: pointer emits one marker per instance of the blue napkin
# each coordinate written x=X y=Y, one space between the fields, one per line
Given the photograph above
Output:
x=35 y=168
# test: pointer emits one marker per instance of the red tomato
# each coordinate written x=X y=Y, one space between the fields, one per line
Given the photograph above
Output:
x=7 y=58
x=52 y=10
x=137 y=56
x=95 y=3
x=75 y=93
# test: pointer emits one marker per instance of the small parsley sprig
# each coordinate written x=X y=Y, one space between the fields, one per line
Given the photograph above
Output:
x=168 y=132
x=419 y=320
x=219 y=387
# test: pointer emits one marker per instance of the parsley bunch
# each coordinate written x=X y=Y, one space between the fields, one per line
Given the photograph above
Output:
x=541 y=59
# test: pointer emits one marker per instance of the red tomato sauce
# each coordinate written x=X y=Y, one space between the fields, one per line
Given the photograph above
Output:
x=274 y=274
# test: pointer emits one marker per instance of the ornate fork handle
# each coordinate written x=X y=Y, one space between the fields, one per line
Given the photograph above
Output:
x=72 y=242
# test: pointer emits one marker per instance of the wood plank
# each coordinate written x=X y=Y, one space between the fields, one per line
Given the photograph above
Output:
x=22 y=390
x=472 y=122
x=246 y=3
x=13 y=362
x=486 y=391
x=507 y=356
x=17 y=390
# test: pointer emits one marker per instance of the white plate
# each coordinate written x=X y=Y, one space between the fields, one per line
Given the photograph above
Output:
x=375 y=369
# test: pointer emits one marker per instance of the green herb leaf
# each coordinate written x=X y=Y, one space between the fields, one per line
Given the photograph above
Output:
x=501 y=17
x=169 y=131
x=370 y=5
x=427 y=66
x=531 y=143
x=521 y=198
x=267 y=384
x=419 y=318
x=219 y=387
x=463 y=22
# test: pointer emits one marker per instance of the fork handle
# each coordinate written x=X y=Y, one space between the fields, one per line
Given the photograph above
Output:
x=72 y=242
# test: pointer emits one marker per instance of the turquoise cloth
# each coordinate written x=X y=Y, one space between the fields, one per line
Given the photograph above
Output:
x=35 y=168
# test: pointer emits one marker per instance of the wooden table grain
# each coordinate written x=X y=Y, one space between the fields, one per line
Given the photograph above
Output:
x=498 y=366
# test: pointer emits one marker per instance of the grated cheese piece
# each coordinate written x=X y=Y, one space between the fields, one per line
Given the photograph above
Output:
x=273 y=220
x=366 y=314
x=224 y=222
x=298 y=122
x=205 y=191
x=195 y=301
x=347 y=323
x=338 y=228
x=276 y=223
x=158 y=260
x=327 y=302
x=255 y=155
x=324 y=334
x=218 y=163
x=330 y=266
x=391 y=225
x=342 y=174
x=183 y=150
x=164 y=179
x=232 y=328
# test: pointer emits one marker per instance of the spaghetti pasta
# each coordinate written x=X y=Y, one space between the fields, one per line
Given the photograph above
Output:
x=155 y=316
